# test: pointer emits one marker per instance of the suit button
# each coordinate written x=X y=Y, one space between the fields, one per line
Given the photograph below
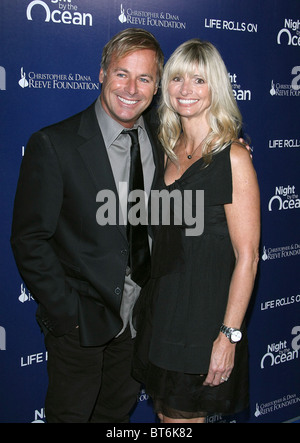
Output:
x=117 y=291
x=124 y=252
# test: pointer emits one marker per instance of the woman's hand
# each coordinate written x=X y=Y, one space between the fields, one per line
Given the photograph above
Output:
x=221 y=361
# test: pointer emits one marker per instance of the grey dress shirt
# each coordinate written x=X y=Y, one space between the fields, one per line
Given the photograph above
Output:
x=118 y=150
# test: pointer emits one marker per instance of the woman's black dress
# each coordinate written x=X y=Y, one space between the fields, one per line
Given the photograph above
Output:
x=182 y=307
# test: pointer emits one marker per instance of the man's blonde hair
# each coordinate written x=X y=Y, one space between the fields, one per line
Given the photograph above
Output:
x=129 y=41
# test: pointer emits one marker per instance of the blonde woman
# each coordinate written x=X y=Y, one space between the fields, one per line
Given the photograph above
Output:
x=193 y=309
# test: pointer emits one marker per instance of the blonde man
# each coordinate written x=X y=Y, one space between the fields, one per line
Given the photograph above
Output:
x=78 y=270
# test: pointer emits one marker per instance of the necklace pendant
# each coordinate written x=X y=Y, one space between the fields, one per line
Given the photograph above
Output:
x=189 y=157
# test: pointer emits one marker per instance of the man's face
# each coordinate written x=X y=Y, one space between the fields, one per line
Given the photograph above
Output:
x=129 y=85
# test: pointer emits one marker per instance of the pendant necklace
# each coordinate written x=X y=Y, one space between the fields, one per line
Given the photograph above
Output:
x=190 y=156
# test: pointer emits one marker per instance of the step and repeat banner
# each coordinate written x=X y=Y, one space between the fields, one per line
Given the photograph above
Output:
x=50 y=56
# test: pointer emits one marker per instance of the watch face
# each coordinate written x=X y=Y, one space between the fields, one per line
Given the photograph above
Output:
x=236 y=336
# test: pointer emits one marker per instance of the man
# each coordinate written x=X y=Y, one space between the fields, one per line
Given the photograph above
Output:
x=78 y=271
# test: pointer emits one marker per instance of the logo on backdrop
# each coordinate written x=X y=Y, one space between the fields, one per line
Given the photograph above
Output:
x=2 y=339
x=284 y=143
x=142 y=396
x=238 y=92
x=39 y=416
x=283 y=351
x=150 y=18
x=2 y=79
x=279 y=302
x=34 y=359
x=275 y=405
x=290 y=33
x=23 y=82
x=280 y=252
x=285 y=197
x=24 y=296
x=290 y=89
x=66 y=14
x=230 y=25
x=36 y=80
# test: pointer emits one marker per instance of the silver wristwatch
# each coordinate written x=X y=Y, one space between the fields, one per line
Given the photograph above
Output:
x=234 y=335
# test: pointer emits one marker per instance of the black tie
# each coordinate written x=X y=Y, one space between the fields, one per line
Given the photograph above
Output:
x=139 y=253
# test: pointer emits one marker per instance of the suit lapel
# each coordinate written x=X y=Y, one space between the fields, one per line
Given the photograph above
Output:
x=94 y=155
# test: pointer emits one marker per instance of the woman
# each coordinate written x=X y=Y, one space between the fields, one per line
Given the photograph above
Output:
x=193 y=309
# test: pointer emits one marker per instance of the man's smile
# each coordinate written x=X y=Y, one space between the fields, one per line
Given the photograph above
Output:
x=126 y=101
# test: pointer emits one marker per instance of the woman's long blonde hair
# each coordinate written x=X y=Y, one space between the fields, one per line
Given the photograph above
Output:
x=225 y=119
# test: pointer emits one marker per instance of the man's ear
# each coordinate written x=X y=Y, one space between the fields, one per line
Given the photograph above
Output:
x=101 y=75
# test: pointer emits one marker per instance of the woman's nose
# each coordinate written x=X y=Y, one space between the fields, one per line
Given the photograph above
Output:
x=186 y=87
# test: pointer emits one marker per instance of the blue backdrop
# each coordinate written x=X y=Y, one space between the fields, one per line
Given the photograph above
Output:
x=49 y=64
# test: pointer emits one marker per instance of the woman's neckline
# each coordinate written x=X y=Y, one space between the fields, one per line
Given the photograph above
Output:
x=184 y=173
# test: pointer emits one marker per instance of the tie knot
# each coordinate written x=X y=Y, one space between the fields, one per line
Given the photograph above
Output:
x=133 y=133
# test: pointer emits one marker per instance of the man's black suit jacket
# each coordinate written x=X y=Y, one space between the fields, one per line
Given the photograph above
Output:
x=74 y=268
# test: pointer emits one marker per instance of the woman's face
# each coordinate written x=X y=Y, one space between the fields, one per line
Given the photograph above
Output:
x=190 y=95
